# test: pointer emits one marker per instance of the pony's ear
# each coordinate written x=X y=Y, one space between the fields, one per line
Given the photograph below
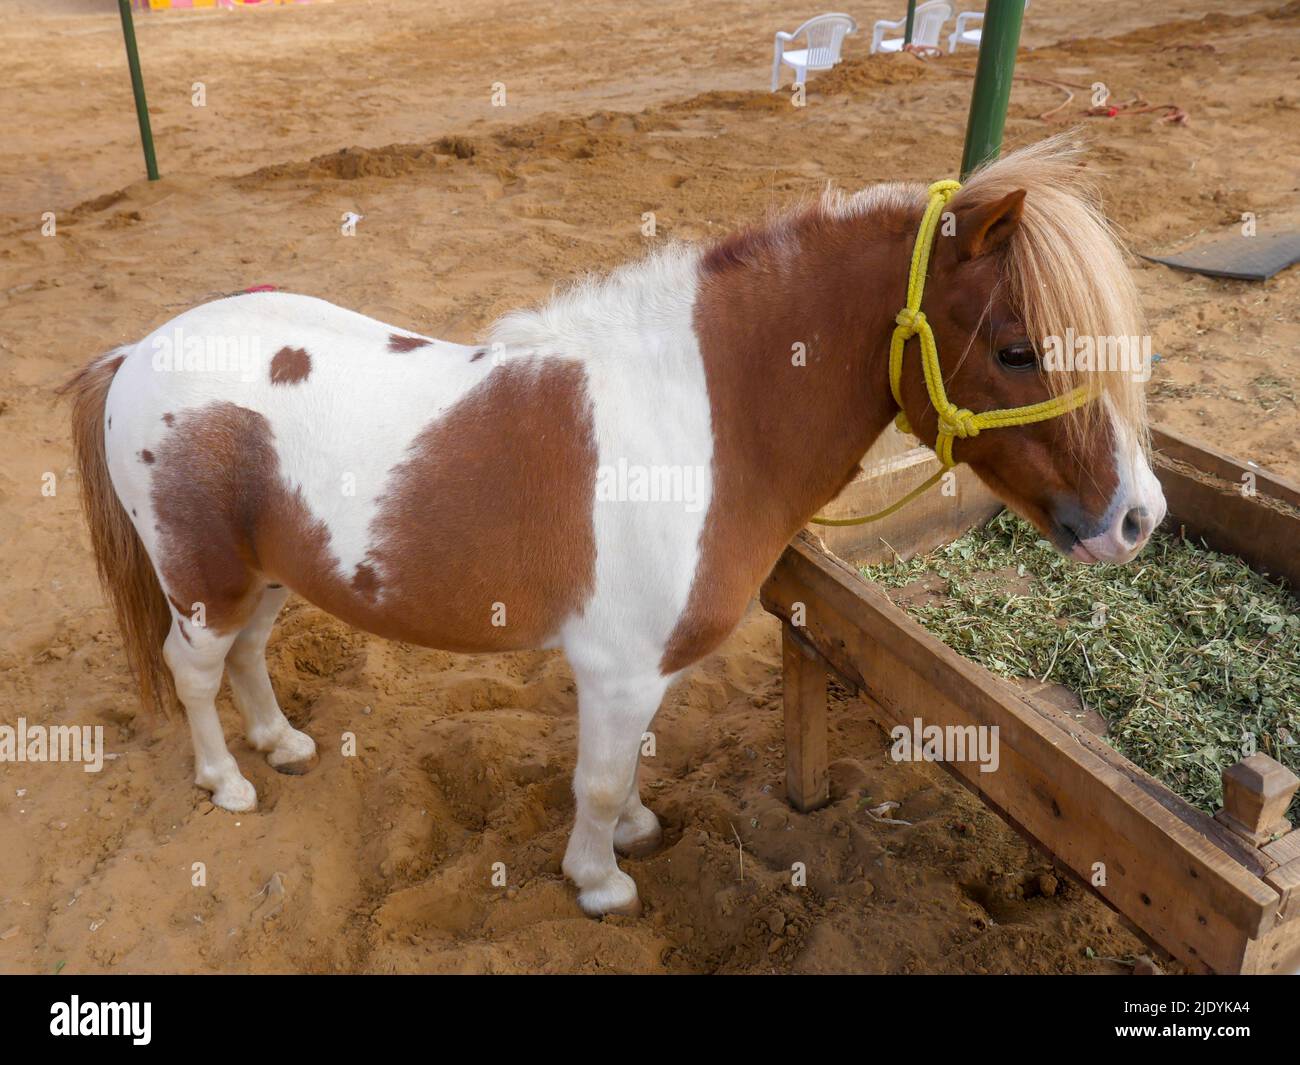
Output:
x=988 y=226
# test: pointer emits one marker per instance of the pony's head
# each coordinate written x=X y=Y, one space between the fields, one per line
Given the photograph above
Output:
x=1029 y=297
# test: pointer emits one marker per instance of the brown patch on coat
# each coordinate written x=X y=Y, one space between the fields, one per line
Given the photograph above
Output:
x=786 y=438
x=289 y=366
x=514 y=461
x=212 y=486
x=169 y=418
x=399 y=343
x=146 y=456
x=185 y=635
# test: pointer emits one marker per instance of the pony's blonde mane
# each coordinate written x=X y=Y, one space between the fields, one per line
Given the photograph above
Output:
x=1067 y=270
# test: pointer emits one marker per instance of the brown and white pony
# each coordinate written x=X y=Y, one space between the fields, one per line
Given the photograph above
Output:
x=613 y=473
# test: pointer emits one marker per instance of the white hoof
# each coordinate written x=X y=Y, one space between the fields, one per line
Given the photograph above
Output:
x=234 y=794
x=294 y=753
x=616 y=895
x=638 y=835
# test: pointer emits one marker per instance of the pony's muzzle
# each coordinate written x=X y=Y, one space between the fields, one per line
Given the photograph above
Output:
x=1135 y=519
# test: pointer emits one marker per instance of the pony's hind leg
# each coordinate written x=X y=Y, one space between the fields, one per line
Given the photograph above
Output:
x=266 y=727
x=614 y=710
x=196 y=657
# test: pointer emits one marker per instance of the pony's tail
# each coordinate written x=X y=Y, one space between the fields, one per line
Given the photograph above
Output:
x=125 y=569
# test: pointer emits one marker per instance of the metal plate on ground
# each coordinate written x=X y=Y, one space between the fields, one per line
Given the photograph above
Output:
x=1245 y=258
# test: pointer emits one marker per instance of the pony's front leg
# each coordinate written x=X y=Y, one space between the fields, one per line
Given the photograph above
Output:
x=613 y=714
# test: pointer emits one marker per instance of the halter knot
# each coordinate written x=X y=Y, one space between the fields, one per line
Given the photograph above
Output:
x=910 y=321
x=958 y=422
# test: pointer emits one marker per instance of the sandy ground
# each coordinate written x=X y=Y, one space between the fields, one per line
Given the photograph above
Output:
x=382 y=107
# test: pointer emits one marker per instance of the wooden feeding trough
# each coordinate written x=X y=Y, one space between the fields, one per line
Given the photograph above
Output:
x=1220 y=893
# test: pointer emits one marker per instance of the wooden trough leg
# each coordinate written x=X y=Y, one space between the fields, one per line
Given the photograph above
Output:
x=804 y=679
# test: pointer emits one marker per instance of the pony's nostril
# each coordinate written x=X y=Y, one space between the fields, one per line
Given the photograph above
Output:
x=1134 y=525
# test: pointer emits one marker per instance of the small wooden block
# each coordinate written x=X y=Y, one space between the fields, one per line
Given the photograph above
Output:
x=1256 y=792
x=1285 y=879
x=1284 y=850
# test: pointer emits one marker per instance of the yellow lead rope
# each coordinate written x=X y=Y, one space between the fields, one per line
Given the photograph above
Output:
x=954 y=422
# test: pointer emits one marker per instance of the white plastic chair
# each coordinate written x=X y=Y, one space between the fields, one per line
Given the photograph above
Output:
x=824 y=35
x=966 y=33
x=926 y=28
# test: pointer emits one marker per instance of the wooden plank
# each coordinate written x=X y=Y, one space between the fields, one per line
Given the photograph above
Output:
x=1203 y=489
x=891 y=469
x=804 y=678
x=1252 y=859
x=1222 y=465
x=1080 y=803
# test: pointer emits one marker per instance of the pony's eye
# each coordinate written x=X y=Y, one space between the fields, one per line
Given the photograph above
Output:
x=1019 y=356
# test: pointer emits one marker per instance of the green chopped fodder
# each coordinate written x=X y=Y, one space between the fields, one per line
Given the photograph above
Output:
x=1191 y=657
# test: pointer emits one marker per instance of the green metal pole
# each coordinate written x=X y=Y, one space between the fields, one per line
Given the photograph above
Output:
x=911 y=17
x=999 y=39
x=137 y=87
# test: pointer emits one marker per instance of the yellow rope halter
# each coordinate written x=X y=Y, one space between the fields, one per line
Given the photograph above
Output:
x=954 y=422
